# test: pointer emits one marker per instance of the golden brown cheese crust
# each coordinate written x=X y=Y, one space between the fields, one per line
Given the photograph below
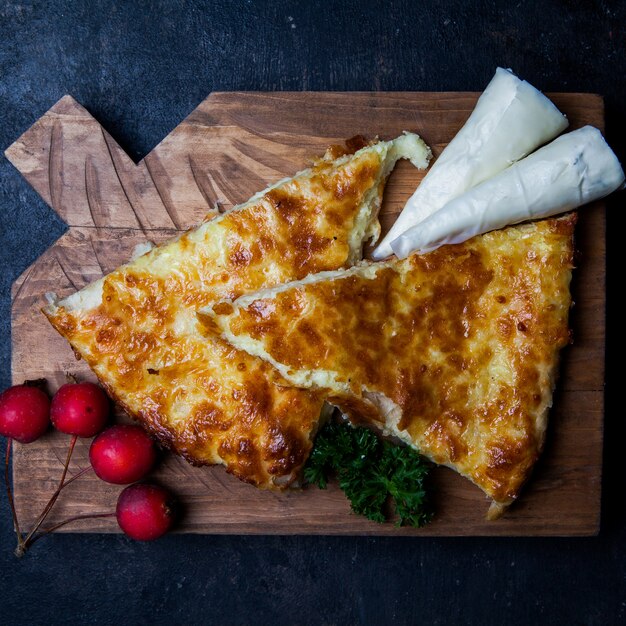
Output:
x=463 y=341
x=204 y=399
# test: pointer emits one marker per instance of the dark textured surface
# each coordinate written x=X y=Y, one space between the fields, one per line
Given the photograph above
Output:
x=140 y=67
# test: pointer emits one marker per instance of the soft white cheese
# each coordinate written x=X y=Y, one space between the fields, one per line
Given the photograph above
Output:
x=574 y=169
x=510 y=120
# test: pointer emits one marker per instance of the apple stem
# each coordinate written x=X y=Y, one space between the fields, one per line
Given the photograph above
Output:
x=75 y=518
x=77 y=475
x=7 y=482
x=70 y=378
x=26 y=543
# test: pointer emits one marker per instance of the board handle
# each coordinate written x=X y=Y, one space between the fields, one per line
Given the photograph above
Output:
x=84 y=175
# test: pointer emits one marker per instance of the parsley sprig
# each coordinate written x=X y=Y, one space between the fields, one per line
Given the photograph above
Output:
x=371 y=472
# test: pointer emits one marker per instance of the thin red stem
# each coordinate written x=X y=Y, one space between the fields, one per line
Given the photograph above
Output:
x=7 y=482
x=52 y=500
x=77 y=476
x=51 y=529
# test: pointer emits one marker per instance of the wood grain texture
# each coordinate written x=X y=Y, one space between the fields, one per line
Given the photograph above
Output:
x=231 y=146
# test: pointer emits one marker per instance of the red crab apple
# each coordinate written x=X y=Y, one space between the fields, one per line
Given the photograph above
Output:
x=80 y=409
x=145 y=511
x=24 y=413
x=122 y=454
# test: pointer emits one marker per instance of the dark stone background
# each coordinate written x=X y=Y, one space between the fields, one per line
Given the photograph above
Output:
x=140 y=67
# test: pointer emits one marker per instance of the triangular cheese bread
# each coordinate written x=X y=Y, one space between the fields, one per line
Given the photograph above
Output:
x=138 y=331
x=454 y=352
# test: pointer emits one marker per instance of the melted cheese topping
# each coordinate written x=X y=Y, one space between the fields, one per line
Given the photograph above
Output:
x=455 y=351
x=137 y=327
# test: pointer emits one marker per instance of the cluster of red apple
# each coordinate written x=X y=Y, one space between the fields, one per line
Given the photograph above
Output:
x=120 y=454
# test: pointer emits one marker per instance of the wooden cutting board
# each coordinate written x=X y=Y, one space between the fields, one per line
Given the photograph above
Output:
x=231 y=146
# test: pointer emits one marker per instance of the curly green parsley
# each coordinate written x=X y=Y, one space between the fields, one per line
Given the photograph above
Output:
x=372 y=473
